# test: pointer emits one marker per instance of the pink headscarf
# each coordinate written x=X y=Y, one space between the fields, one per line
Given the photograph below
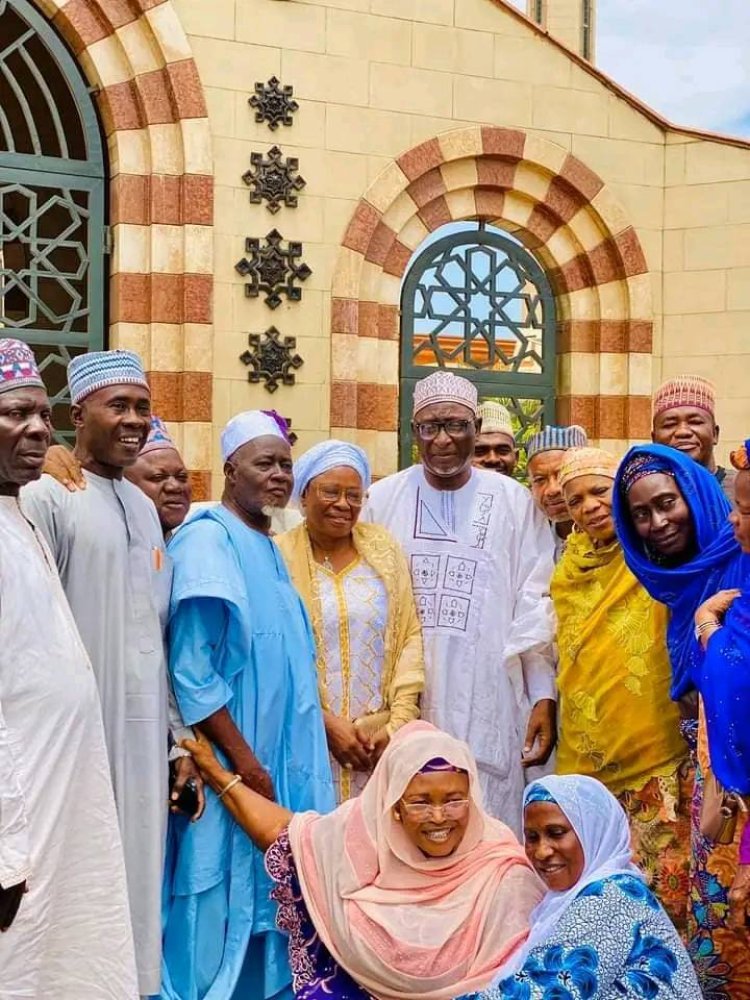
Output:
x=403 y=925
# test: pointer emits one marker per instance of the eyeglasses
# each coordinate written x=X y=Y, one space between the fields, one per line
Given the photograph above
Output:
x=430 y=429
x=421 y=810
x=332 y=494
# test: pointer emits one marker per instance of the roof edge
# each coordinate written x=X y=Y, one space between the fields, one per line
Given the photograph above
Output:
x=618 y=90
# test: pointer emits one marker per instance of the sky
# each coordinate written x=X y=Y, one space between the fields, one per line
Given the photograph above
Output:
x=688 y=59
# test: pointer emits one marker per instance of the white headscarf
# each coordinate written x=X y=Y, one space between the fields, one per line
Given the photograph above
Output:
x=325 y=456
x=602 y=828
x=246 y=427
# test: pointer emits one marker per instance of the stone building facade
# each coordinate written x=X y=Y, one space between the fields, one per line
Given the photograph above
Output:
x=413 y=119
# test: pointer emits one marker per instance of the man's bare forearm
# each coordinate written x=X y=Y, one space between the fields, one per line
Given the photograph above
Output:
x=222 y=730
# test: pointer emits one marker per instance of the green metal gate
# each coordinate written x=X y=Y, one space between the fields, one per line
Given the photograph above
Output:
x=52 y=201
x=478 y=303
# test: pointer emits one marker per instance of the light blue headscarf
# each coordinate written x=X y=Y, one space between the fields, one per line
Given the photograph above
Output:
x=326 y=456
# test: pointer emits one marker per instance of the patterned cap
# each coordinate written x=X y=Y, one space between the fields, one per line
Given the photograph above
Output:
x=444 y=387
x=158 y=437
x=553 y=438
x=88 y=373
x=588 y=462
x=496 y=419
x=640 y=466
x=18 y=366
x=685 y=390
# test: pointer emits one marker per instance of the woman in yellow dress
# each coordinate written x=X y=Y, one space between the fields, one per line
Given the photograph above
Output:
x=617 y=721
x=356 y=586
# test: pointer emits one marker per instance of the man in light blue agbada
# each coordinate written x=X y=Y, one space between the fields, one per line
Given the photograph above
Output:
x=242 y=661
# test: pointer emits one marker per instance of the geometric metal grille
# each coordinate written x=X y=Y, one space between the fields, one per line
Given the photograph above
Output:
x=52 y=196
x=478 y=303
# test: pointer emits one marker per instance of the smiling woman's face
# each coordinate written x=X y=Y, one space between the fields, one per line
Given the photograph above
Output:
x=552 y=846
x=589 y=500
x=660 y=515
x=434 y=811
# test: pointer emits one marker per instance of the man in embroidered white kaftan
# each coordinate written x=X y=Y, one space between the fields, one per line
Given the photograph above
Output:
x=64 y=920
x=481 y=562
x=109 y=548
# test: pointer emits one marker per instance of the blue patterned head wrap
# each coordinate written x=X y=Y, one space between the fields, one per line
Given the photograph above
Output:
x=326 y=456
x=639 y=467
x=716 y=565
x=537 y=792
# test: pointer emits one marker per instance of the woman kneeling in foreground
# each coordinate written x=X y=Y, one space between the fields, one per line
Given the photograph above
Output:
x=599 y=933
x=409 y=891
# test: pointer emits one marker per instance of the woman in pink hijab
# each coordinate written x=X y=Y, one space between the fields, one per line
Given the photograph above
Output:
x=408 y=892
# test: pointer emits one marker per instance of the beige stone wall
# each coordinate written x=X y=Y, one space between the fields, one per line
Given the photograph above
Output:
x=707 y=274
x=377 y=77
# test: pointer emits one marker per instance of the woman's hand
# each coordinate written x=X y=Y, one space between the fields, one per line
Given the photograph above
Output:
x=716 y=607
x=739 y=901
x=206 y=761
x=63 y=466
x=347 y=744
x=378 y=742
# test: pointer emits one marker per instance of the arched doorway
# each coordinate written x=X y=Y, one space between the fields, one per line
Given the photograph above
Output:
x=475 y=301
x=52 y=201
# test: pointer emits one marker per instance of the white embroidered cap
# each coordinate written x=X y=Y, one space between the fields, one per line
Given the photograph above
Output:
x=444 y=387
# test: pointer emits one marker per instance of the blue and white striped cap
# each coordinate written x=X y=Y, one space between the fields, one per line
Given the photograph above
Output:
x=553 y=438
x=89 y=372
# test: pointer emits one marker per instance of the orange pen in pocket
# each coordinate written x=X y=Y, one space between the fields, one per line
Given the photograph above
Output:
x=158 y=559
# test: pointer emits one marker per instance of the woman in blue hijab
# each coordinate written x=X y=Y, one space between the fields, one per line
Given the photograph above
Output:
x=672 y=521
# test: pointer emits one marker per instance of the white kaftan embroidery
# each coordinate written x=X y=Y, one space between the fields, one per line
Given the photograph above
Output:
x=481 y=562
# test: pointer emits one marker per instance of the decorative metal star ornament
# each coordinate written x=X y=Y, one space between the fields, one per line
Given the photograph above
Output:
x=273 y=180
x=273 y=103
x=273 y=269
x=271 y=359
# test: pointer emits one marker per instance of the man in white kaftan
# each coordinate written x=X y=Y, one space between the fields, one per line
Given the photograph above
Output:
x=109 y=548
x=59 y=839
x=481 y=562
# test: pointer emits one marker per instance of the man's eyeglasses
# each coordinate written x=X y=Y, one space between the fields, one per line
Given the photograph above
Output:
x=421 y=811
x=430 y=429
x=332 y=494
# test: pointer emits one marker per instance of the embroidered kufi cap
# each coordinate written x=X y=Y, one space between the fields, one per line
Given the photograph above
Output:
x=88 y=373
x=18 y=367
x=158 y=437
x=444 y=387
x=740 y=458
x=553 y=438
x=250 y=425
x=329 y=455
x=685 y=390
x=588 y=462
x=496 y=419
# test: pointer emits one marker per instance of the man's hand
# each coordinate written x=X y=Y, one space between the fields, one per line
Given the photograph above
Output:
x=185 y=769
x=347 y=744
x=541 y=733
x=739 y=901
x=63 y=466
x=10 y=900
x=254 y=775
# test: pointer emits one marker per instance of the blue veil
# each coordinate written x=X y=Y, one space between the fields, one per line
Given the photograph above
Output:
x=717 y=565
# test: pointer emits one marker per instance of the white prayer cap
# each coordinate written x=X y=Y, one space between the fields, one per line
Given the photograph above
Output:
x=496 y=419
x=444 y=387
x=248 y=426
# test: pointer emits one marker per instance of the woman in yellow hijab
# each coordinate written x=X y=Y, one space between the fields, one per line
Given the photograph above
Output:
x=617 y=721
x=356 y=585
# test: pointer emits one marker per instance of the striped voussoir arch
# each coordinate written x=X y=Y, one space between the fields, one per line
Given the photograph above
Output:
x=137 y=59
x=563 y=212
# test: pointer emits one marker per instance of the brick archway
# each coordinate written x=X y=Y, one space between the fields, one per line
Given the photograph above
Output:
x=150 y=99
x=563 y=212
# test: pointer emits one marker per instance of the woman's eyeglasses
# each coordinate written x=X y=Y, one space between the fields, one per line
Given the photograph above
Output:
x=422 y=810
x=430 y=429
x=332 y=494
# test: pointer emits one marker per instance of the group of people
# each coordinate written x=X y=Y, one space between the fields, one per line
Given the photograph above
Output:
x=244 y=764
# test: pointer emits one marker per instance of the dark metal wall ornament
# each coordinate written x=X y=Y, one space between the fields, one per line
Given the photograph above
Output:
x=271 y=359
x=273 y=180
x=273 y=269
x=273 y=103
